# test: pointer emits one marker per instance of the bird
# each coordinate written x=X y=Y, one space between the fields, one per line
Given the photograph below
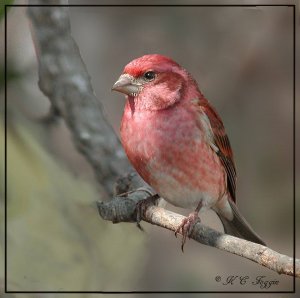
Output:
x=176 y=141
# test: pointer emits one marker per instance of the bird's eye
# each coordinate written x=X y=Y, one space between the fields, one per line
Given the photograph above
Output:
x=149 y=75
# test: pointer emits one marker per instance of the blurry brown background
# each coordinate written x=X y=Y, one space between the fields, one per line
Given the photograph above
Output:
x=242 y=58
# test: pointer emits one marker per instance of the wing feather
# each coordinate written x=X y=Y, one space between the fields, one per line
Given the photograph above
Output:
x=219 y=141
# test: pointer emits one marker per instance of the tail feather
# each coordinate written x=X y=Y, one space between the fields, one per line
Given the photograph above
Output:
x=239 y=227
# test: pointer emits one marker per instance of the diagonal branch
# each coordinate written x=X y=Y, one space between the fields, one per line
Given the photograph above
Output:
x=63 y=78
x=122 y=208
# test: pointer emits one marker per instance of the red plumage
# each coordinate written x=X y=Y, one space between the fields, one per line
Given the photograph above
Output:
x=177 y=142
x=222 y=142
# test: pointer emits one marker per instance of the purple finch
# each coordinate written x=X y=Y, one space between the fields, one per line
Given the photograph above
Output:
x=176 y=141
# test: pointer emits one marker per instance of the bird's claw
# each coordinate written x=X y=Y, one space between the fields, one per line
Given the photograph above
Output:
x=187 y=225
x=142 y=206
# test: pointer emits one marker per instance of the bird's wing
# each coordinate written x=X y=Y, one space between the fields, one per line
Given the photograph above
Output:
x=218 y=139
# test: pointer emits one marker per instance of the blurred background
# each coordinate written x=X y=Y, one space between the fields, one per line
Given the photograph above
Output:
x=242 y=58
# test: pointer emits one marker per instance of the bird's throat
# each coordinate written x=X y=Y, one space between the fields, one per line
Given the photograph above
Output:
x=131 y=104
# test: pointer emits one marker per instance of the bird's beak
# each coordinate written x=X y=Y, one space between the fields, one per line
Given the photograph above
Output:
x=125 y=85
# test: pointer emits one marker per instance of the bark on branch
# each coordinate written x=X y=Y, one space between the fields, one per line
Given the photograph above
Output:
x=64 y=80
x=122 y=208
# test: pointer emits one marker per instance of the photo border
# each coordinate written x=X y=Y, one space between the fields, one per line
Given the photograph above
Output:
x=6 y=6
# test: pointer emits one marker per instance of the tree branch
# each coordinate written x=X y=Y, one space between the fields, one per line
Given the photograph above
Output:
x=64 y=80
x=122 y=208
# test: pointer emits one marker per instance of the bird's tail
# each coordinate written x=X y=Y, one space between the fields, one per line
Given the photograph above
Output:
x=239 y=227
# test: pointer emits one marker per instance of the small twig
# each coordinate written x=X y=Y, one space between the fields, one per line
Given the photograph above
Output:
x=122 y=209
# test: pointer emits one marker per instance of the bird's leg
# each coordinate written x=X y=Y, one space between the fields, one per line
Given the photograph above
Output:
x=142 y=206
x=188 y=224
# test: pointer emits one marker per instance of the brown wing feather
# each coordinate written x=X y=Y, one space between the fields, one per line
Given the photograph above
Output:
x=220 y=139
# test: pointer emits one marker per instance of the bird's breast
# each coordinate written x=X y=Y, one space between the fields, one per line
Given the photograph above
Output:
x=171 y=154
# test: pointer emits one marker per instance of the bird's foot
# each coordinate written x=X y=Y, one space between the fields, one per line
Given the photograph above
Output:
x=187 y=226
x=142 y=206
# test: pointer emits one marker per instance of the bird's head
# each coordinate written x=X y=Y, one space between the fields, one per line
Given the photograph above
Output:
x=154 y=82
